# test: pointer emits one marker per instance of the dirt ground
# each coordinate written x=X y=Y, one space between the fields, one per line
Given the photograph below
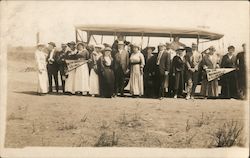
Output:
x=60 y=120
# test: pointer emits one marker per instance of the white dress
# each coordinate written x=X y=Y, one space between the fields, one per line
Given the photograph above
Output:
x=136 y=76
x=94 y=84
x=70 y=80
x=40 y=57
x=82 y=75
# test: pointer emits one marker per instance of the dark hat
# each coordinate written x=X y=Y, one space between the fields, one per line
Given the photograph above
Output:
x=188 y=49
x=152 y=47
x=180 y=49
x=81 y=43
x=71 y=43
x=52 y=43
x=230 y=47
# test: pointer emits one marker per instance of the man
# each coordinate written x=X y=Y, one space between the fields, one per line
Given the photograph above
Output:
x=52 y=66
x=170 y=81
x=229 y=80
x=241 y=74
x=176 y=43
x=120 y=37
x=62 y=64
x=162 y=69
x=121 y=63
x=195 y=60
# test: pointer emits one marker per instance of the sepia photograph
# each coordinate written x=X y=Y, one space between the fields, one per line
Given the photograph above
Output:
x=124 y=79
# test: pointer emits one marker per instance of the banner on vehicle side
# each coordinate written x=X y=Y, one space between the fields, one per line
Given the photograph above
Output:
x=73 y=64
x=216 y=73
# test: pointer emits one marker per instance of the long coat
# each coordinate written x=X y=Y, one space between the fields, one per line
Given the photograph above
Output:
x=229 y=80
x=209 y=89
x=178 y=71
x=241 y=73
x=121 y=61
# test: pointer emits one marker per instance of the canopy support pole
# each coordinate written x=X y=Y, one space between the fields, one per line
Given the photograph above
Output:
x=148 y=40
x=198 y=41
x=102 y=39
x=76 y=35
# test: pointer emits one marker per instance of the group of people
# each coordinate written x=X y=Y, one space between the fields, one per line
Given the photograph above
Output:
x=174 y=71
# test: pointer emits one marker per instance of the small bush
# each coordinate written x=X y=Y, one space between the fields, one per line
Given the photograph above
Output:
x=227 y=135
x=106 y=140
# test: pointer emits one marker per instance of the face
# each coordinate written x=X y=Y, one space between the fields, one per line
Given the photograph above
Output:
x=231 y=51
x=50 y=47
x=194 y=47
x=64 y=47
x=72 y=47
x=211 y=52
x=161 y=48
x=97 y=49
x=80 y=47
x=180 y=52
x=135 y=49
x=120 y=46
x=149 y=50
x=120 y=38
x=40 y=48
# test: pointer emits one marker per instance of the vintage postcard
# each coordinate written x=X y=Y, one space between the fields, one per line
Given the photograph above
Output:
x=124 y=79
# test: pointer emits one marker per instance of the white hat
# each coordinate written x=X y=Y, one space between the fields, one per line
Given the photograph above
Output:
x=136 y=45
x=40 y=44
x=120 y=43
x=99 y=46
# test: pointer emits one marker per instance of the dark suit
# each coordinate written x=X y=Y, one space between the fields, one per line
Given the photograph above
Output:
x=121 y=63
x=52 y=67
x=164 y=65
x=62 y=67
x=229 y=80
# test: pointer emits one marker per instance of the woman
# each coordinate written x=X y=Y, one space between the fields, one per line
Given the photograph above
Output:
x=209 y=61
x=178 y=72
x=229 y=80
x=70 y=80
x=40 y=57
x=107 y=74
x=149 y=72
x=137 y=63
x=94 y=84
x=82 y=72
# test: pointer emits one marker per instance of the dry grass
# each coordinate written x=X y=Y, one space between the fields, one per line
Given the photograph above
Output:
x=107 y=140
x=67 y=126
x=14 y=116
x=132 y=122
x=228 y=134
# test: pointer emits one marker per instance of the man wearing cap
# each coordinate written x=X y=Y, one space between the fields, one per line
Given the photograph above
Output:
x=52 y=66
x=40 y=57
x=121 y=63
x=241 y=73
x=229 y=80
x=62 y=65
x=162 y=69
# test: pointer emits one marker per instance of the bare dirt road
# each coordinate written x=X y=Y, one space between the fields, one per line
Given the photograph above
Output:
x=60 y=120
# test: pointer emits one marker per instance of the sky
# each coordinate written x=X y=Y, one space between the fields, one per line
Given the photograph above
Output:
x=55 y=20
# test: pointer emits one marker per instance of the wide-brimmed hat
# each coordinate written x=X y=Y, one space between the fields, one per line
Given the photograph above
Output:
x=161 y=44
x=211 y=48
x=107 y=49
x=194 y=45
x=120 y=43
x=152 y=47
x=52 y=44
x=180 y=49
x=64 y=45
x=136 y=45
x=71 y=43
x=188 y=49
x=81 y=43
x=168 y=45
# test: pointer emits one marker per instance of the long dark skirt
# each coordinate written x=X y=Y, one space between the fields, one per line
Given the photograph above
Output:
x=178 y=83
x=229 y=85
x=108 y=81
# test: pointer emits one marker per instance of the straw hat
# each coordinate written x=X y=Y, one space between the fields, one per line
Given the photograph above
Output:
x=40 y=45
x=120 y=43
x=107 y=49
x=81 y=43
x=152 y=47
x=99 y=46
x=161 y=44
x=136 y=45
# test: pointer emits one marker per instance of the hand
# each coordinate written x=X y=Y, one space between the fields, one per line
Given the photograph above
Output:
x=40 y=71
x=127 y=71
x=173 y=74
x=141 y=70
x=192 y=69
x=205 y=67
